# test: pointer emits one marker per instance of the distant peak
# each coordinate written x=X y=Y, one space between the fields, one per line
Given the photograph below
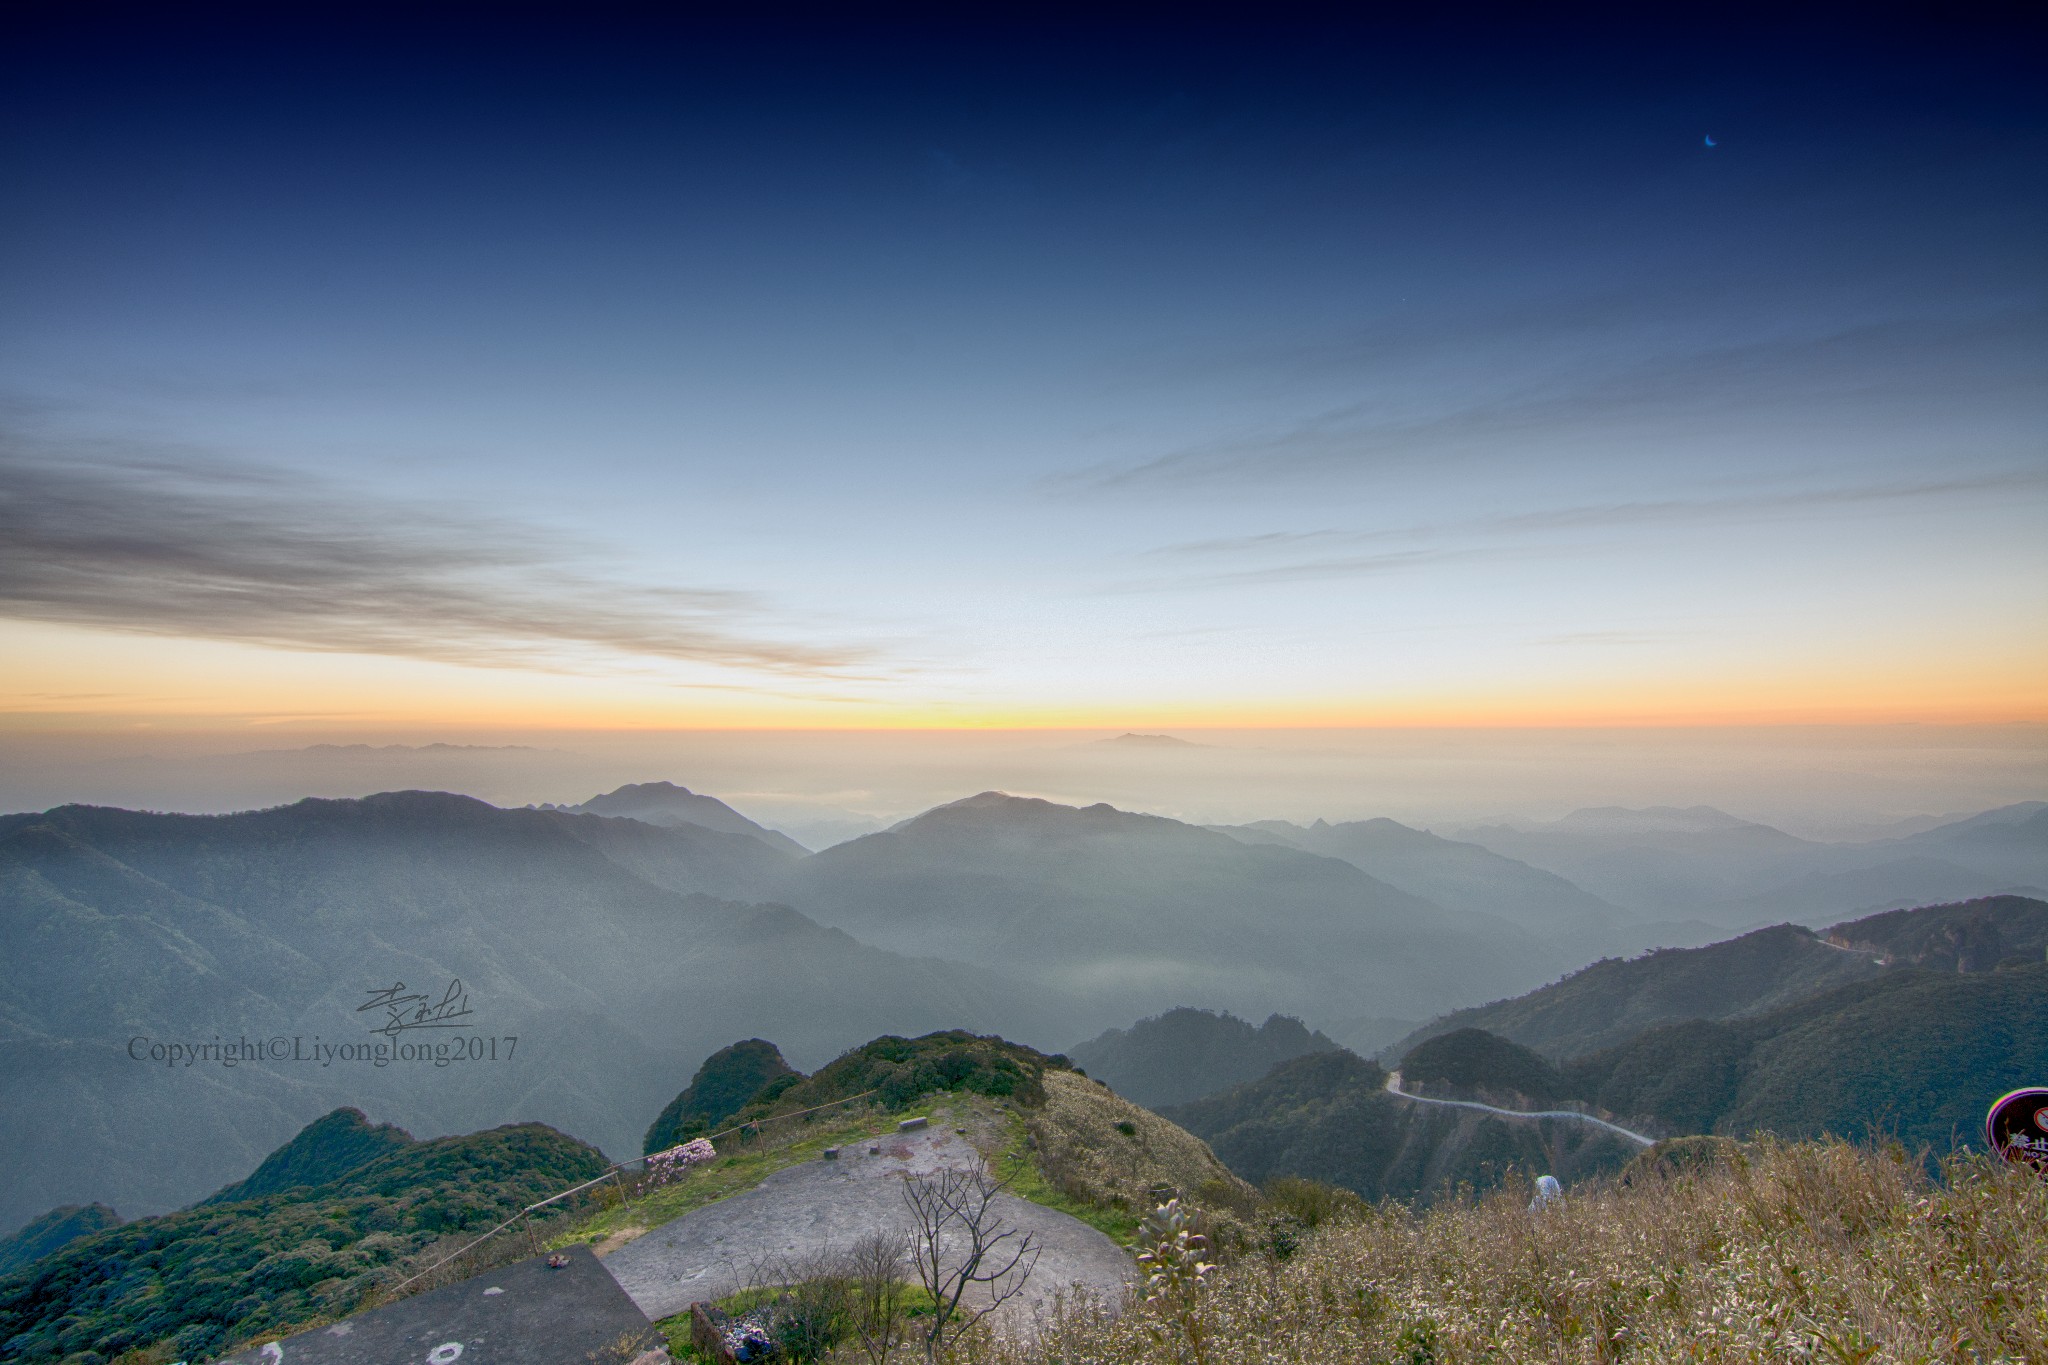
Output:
x=1129 y=740
x=997 y=809
x=1660 y=818
x=991 y=802
x=646 y=790
x=434 y=748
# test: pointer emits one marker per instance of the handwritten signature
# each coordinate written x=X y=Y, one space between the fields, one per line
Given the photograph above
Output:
x=405 y=1010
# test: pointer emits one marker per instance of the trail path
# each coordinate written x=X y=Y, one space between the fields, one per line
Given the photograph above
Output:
x=1394 y=1088
x=824 y=1206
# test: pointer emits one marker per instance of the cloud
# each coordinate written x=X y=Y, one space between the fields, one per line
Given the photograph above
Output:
x=1605 y=638
x=1609 y=515
x=1763 y=505
x=1496 y=407
x=168 y=543
x=1494 y=537
x=1301 y=571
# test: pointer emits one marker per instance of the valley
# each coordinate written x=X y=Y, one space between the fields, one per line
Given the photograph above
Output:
x=628 y=941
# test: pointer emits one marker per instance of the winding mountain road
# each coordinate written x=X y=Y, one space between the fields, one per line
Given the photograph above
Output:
x=1394 y=1088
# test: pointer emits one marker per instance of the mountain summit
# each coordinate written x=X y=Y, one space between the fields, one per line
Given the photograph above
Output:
x=1141 y=913
x=666 y=804
x=1128 y=740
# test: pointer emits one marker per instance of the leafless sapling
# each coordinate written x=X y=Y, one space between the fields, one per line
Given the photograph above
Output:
x=959 y=1241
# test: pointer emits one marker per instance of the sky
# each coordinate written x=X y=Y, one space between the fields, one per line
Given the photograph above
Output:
x=514 y=370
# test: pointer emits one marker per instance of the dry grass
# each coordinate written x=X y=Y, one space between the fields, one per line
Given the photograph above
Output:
x=1097 y=1148
x=1818 y=1251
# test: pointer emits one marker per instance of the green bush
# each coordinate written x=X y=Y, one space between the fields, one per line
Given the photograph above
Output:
x=900 y=1070
x=1312 y=1203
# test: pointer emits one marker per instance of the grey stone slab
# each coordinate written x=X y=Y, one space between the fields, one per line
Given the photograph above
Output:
x=520 y=1314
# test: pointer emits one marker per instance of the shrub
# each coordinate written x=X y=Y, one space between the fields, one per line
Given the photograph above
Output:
x=1798 y=1252
x=1312 y=1203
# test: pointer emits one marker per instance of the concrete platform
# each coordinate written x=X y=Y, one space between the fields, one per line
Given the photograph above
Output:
x=827 y=1206
x=520 y=1314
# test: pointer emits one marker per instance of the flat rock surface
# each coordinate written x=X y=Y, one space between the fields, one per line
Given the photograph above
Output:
x=826 y=1206
x=519 y=1314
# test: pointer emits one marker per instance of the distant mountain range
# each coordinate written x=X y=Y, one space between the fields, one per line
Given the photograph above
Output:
x=1701 y=863
x=1139 y=913
x=586 y=938
x=1132 y=741
x=1456 y=875
x=623 y=940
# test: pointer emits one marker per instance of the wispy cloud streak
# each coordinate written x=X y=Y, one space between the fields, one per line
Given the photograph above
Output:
x=1652 y=512
x=1515 y=534
x=1497 y=416
x=141 y=542
x=1299 y=571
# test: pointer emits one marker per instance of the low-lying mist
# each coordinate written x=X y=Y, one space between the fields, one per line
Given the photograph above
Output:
x=1823 y=782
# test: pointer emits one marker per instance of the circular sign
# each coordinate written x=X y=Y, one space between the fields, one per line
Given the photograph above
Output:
x=2017 y=1126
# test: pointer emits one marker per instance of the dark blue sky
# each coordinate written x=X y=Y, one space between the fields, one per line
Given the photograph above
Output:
x=922 y=370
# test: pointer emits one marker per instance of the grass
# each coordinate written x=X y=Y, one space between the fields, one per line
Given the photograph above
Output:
x=917 y=1303
x=1018 y=1165
x=1108 y=1162
x=1791 y=1252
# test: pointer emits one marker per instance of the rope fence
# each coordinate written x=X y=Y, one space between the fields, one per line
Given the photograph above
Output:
x=610 y=1173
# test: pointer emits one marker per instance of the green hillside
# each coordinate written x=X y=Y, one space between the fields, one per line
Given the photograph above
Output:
x=898 y=1070
x=1614 y=999
x=1914 y=1054
x=1186 y=1053
x=59 y=1227
x=205 y=1278
x=1471 y=1059
x=324 y=1151
x=1970 y=936
x=1911 y=1054
x=723 y=1085
x=1328 y=1117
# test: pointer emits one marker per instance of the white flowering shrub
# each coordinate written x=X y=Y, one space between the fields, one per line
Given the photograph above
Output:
x=665 y=1167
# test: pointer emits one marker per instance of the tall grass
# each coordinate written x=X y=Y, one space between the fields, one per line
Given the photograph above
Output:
x=1815 y=1251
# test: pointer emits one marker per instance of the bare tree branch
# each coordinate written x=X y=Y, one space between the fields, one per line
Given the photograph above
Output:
x=959 y=1241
